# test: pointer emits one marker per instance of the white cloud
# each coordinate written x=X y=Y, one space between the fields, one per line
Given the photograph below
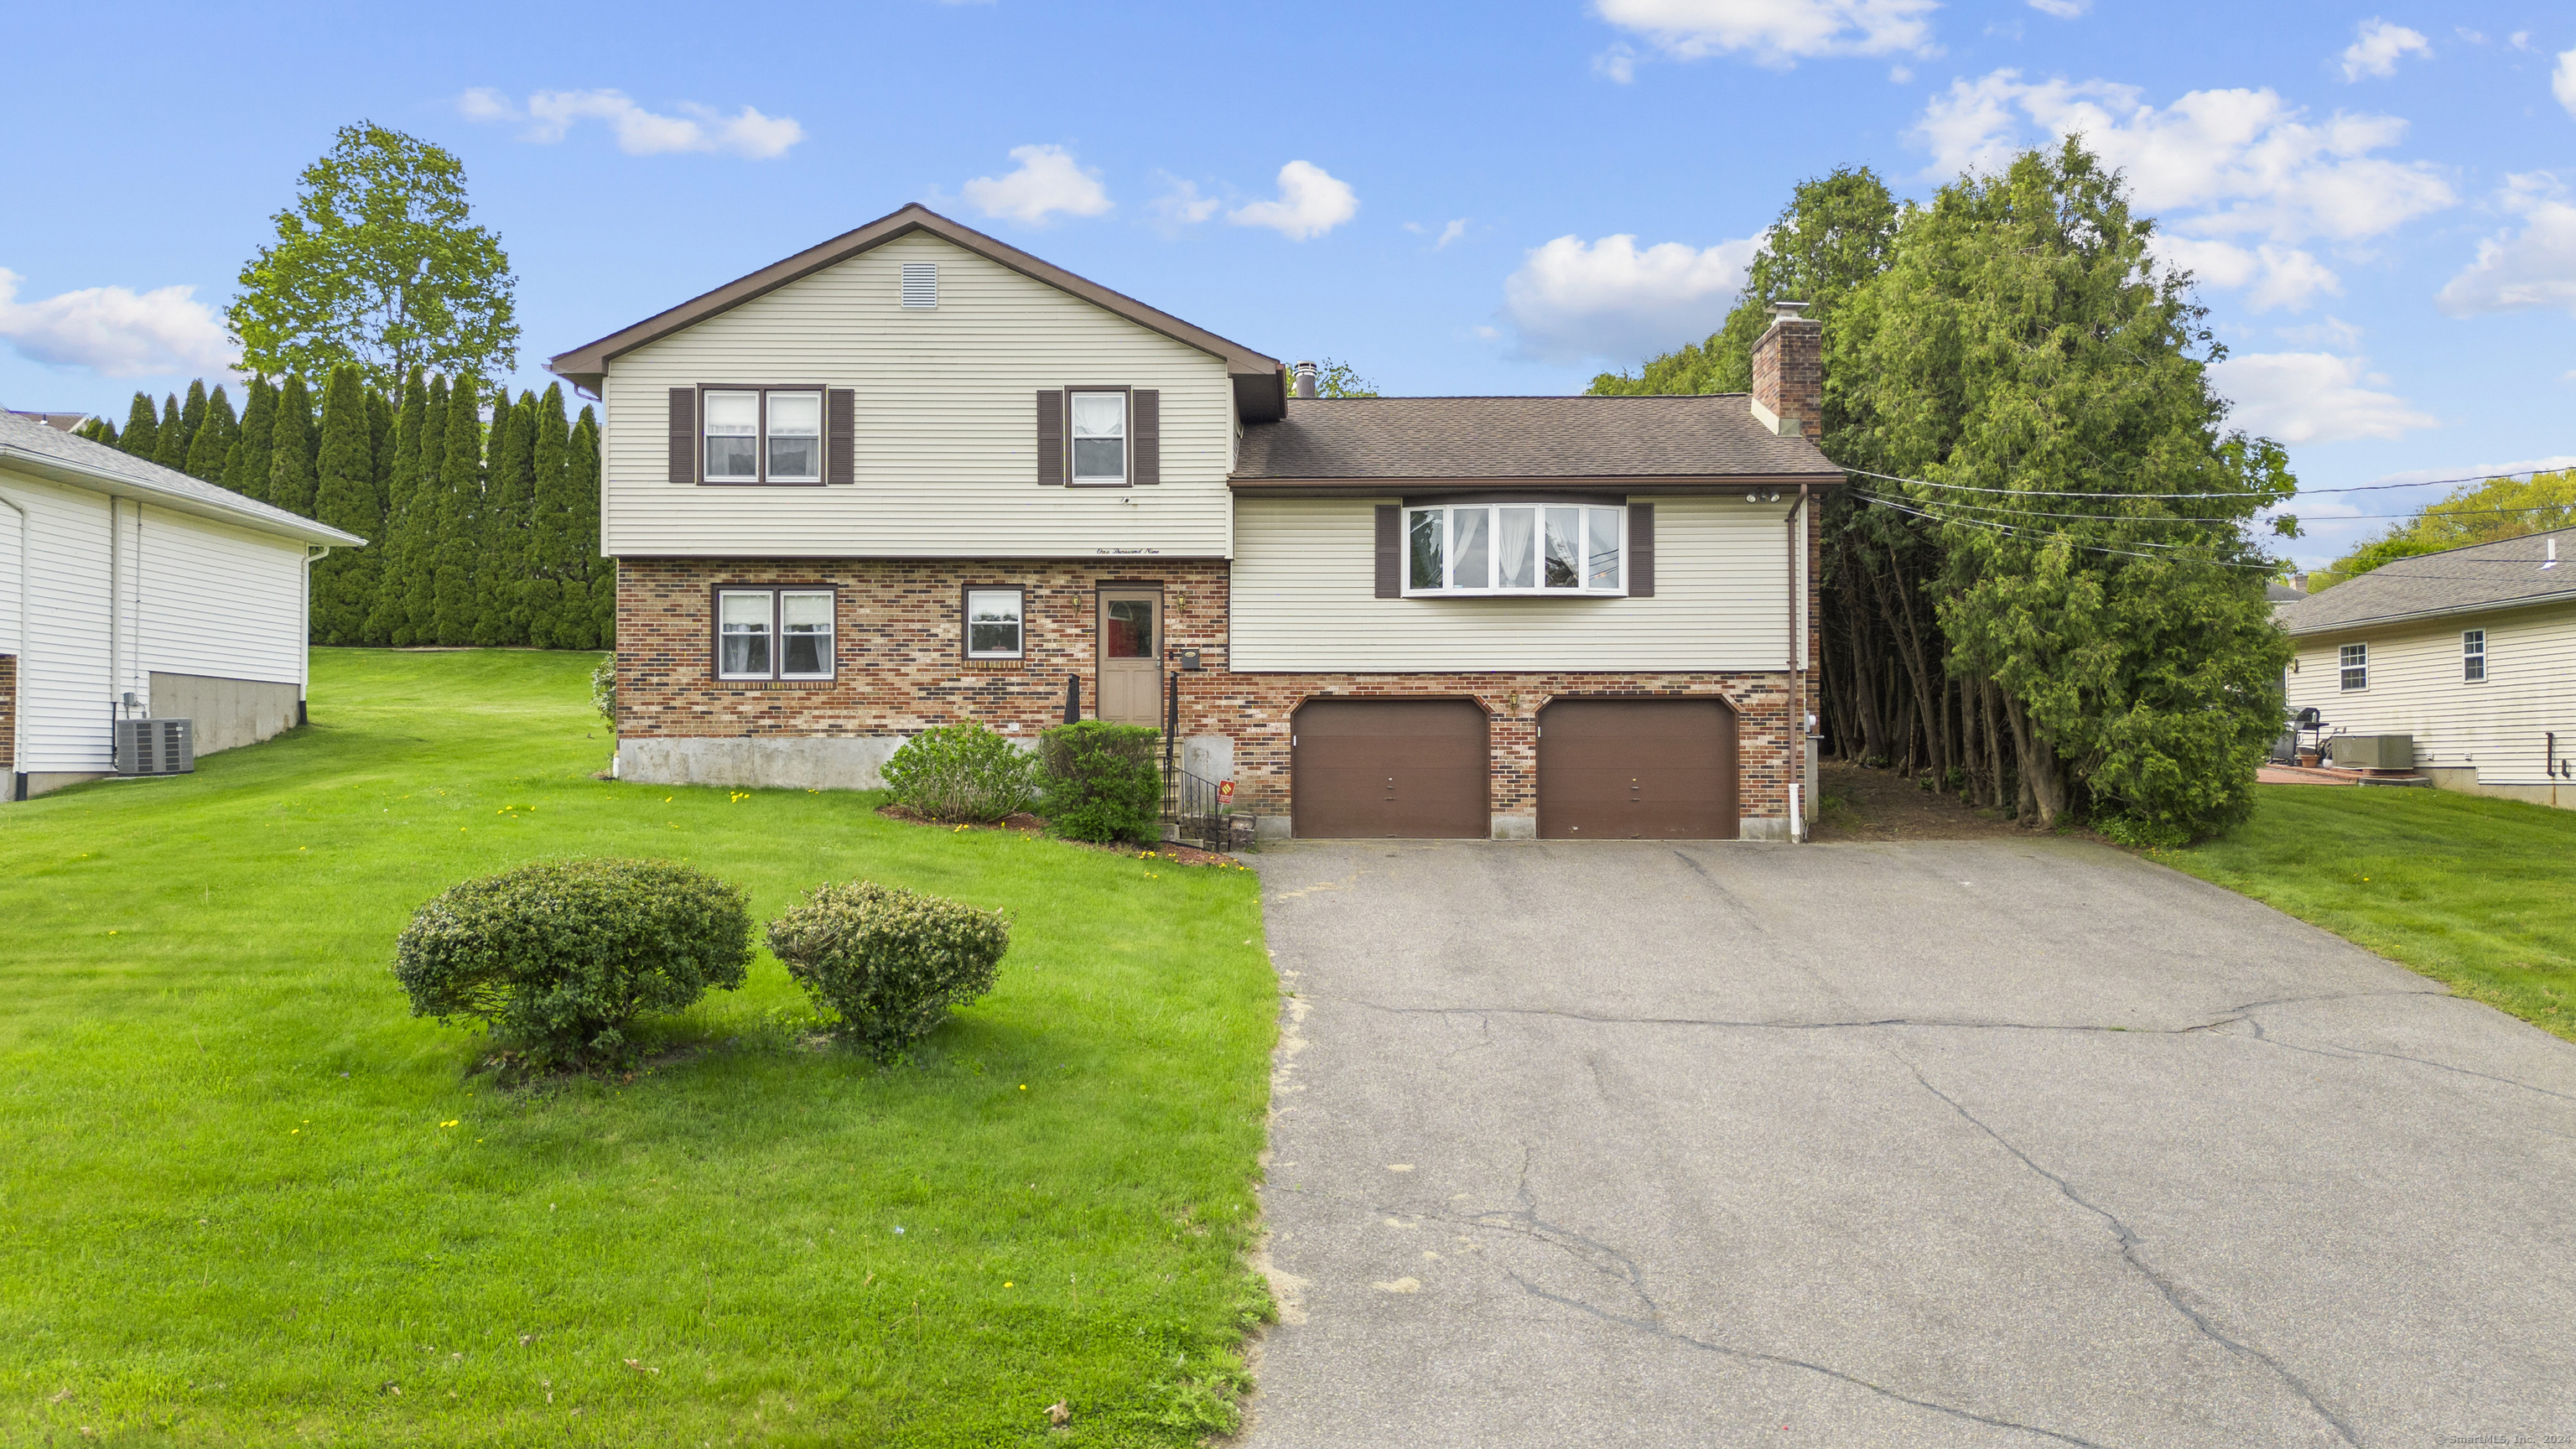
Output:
x=1448 y=234
x=2515 y=271
x=2562 y=81
x=2312 y=397
x=1618 y=63
x=1181 y=205
x=115 y=331
x=2280 y=276
x=1573 y=299
x=2380 y=47
x=2455 y=471
x=549 y=115
x=2062 y=9
x=1777 y=32
x=2332 y=332
x=1311 y=202
x=1049 y=180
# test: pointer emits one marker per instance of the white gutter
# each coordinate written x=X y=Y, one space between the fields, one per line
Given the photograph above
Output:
x=243 y=514
x=17 y=714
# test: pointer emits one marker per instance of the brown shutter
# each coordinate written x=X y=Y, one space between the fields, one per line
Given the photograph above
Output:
x=1051 y=436
x=1147 y=424
x=1390 y=551
x=841 y=436
x=1641 y=550
x=684 y=435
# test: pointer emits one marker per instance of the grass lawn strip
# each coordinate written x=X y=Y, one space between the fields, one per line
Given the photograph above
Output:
x=2472 y=891
x=251 y=1200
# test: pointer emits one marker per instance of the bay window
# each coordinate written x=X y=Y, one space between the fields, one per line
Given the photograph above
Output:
x=774 y=633
x=1514 y=548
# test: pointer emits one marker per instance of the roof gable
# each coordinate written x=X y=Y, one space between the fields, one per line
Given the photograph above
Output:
x=1258 y=378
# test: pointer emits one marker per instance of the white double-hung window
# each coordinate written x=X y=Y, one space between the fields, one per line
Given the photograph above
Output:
x=795 y=437
x=2354 y=662
x=763 y=435
x=2473 y=656
x=993 y=623
x=1099 y=437
x=1513 y=548
x=774 y=634
x=733 y=437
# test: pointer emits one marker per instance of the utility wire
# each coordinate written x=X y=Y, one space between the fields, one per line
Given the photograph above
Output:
x=2437 y=511
x=2232 y=493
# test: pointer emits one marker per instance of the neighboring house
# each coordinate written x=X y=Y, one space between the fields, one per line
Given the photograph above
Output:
x=915 y=475
x=2471 y=652
x=59 y=422
x=131 y=591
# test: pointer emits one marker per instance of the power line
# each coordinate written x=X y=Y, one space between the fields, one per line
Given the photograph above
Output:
x=2233 y=493
x=2434 y=512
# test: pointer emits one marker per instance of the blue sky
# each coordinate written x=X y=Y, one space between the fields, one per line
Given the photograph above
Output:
x=2381 y=200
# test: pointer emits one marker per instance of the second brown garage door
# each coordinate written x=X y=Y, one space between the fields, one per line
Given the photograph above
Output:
x=1390 y=767
x=1637 y=769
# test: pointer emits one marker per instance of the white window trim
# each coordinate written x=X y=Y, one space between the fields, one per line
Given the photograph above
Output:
x=2345 y=666
x=1126 y=439
x=760 y=476
x=777 y=596
x=821 y=426
x=1020 y=621
x=2478 y=655
x=1493 y=532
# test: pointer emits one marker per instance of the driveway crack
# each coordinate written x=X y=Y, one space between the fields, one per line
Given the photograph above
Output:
x=2130 y=1252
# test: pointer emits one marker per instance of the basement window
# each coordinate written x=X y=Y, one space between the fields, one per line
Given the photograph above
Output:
x=2473 y=656
x=1546 y=548
x=2355 y=659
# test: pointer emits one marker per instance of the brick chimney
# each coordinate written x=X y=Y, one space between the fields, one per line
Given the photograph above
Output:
x=1789 y=373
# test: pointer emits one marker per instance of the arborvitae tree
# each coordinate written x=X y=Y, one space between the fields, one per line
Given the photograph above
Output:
x=501 y=589
x=430 y=512
x=142 y=435
x=192 y=413
x=97 y=430
x=345 y=498
x=603 y=572
x=213 y=438
x=170 y=449
x=246 y=462
x=389 y=621
x=461 y=483
x=552 y=563
x=290 y=450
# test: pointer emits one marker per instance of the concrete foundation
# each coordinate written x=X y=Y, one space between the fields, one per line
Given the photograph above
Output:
x=838 y=763
x=1516 y=827
x=1765 y=827
x=224 y=714
x=2464 y=778
x=45 y=782
x=1210 y=757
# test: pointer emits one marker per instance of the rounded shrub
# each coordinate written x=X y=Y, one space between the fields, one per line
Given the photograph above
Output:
x=1101 y=780
x=962 y=772
x=559 y=958
x=890 y=962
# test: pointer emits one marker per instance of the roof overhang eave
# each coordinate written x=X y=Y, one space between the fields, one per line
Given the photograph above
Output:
x=72 y=475
x=2446 y=611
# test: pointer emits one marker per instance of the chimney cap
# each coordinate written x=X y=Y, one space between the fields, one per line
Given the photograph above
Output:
x=1789 y=311
x=1304 y=372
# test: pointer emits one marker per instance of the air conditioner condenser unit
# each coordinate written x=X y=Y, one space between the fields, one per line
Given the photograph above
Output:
x=156 y=747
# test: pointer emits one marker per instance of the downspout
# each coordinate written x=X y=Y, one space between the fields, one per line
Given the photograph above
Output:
x=313 y=553
x=1797 y=730
x=17 y=705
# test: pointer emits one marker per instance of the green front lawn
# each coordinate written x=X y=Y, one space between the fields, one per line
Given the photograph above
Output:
x=249 y=1199
x=2474 y=892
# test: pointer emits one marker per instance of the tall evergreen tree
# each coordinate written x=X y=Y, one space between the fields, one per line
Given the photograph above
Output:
x=428 y=519
x=246 y=462
x=461 y=485
x=290 y=450
x=603 y=572
x=142 y=436
x=97 y=430
x=389 y=621
x=170 y=449
x=213 y=439
x=553 y=565
x=192 y=413
x=502 y=588
x=345 y=498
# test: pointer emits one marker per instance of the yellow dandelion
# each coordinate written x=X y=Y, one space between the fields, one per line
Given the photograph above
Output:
x=450 y=1122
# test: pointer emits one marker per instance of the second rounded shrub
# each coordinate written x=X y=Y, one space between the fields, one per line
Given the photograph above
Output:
x=889 y=962
x=962 y=772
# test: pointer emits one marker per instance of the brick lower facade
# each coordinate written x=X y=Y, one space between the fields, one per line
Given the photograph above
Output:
x=901 y=669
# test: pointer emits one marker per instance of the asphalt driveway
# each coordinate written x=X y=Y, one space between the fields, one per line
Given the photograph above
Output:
x=1959 y=1143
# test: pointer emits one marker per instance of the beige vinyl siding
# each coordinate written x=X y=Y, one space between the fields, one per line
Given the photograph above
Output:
x=1305 y=600
x=217 y=601
x=946 y=422
x=2415 y=689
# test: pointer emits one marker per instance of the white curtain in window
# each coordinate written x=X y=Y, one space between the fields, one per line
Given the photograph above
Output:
x=743 y=646
x=805 y=650
x=796 y=436
x=733 y=434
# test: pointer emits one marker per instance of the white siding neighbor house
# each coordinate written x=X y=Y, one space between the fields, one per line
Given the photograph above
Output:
x=2471 y=653
x=914 y=476
x=128 y=591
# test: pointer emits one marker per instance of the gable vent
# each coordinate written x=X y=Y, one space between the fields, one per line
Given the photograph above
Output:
x=921 y=284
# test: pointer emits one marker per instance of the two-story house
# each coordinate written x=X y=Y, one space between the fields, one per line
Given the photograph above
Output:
x=915 y=475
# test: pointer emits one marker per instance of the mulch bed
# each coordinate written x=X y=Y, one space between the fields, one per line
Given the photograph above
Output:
x=1031 y=825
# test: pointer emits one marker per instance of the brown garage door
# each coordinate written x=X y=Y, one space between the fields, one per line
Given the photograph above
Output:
x=1390 y=767
x=1636 y=769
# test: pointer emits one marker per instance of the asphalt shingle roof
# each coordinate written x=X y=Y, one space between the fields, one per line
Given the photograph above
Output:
x=1710 y=435
x=2475 y=579
x=34 y=443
